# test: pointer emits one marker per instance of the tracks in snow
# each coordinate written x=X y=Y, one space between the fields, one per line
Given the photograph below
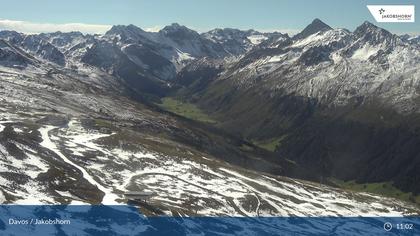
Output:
x=109 y=197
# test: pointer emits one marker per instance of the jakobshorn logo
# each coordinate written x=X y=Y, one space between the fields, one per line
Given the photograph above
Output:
x=392 y=13
x=381 y=11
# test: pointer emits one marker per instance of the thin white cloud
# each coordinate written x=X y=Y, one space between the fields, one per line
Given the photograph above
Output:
x=34 y=28
x=291 y=32
x=413 y=34
x=153 y=29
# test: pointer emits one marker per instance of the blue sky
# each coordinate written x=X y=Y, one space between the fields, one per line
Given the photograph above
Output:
x=266 y=15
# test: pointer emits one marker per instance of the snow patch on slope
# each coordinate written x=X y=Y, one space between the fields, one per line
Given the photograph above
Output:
x=365 y=52
x=257 y=39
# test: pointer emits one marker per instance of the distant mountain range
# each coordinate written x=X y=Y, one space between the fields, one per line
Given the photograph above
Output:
x=130 y=52
x=341 y=104
x=338 y=104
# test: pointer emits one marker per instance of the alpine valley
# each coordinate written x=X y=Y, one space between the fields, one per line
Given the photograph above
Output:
x=222 y=123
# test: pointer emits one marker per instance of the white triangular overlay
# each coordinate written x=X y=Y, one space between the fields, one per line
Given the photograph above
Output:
x=392 y=13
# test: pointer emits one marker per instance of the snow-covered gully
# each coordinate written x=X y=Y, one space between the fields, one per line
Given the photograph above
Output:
x=109 y=197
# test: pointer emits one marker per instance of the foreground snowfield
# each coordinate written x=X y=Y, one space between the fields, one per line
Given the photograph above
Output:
x=185 y=186
x=51 y=154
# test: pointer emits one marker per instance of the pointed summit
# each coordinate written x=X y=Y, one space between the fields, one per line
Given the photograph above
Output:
x=316 y=26
x=367 y=27
x=372 y=33
x=177 y=30
x=128 y=33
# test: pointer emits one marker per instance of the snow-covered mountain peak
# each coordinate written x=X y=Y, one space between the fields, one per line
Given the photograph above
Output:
x=224 y=34
x=62 y=39
x=11 y=36
x=365 y=61
x=238 y=42
x=63 y=34
x=367 y=26
x=127 y=33
x=372 y=34
x=68 y=42
x=122 y=29
x=322 y=38
x=377 y=44
x=177 y=31
x=44 y=49
x=316 y=26
x=234 y=41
